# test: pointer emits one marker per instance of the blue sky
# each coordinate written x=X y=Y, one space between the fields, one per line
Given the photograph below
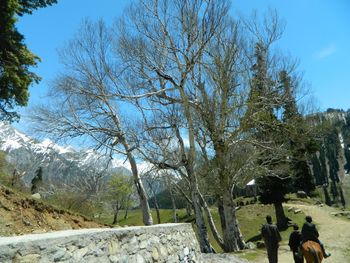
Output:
x=317 y=33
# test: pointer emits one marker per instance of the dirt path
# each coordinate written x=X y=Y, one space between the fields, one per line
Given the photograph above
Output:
x=334 y=233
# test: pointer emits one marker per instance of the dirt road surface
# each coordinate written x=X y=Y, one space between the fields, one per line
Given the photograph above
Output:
x=334 y=233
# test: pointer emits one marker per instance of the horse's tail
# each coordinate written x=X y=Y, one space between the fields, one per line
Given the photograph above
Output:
x=314 y=254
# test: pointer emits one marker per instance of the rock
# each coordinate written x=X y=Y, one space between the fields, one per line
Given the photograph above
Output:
x=114 y=259
x=163 y=251
x=26 y=223
x=143 y=244
x=250 y=245
x=31 y=258
x=297 y=211
x=155 y=254
x=186 y=251
x=301 y=194
x=220 y=258
x=334 y=213
x=79 y=254
x=113 y=248
x=290 y=208
x=60 y=254
x=139 y=259
x=38 y=231
x=36 y=196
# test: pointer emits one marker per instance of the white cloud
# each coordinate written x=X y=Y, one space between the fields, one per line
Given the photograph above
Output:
x=326 y=52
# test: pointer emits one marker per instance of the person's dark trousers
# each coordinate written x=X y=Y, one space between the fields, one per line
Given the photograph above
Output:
x=298 y=258
x=272 y=254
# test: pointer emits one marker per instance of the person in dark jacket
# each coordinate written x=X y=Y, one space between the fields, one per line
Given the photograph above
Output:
x=309 y=232
x=271 y=237
x=294 y=244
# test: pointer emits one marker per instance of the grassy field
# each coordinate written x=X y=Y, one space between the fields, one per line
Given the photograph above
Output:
x=250 y=218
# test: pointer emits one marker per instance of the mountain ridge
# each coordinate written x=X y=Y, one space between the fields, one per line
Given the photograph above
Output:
x=57 y=162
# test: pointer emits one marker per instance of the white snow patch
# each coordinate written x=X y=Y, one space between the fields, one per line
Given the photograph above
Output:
x=145 y=167
x=121 y=163
x=22 y=136
x=10 y=145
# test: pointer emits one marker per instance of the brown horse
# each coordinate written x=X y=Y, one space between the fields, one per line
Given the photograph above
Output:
x=312 y=252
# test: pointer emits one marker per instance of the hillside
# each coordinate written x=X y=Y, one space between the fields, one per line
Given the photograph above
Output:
x=331 y=163
x=23 y=215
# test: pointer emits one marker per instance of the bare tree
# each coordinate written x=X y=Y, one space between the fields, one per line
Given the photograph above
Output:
x=162 y=42
x=167 y=150
x=185 y=68
x=86 y=100
x=153 y=183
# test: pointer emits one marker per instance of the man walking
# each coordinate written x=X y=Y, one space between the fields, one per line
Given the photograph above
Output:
x=271 y=237
x=294 y=244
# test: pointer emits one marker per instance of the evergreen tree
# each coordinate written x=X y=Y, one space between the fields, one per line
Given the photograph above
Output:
x=260 y=120
x=37 y=181
x=15 y=58
x=300 y=142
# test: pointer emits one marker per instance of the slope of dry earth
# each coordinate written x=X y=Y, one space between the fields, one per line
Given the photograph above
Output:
x=23 y=215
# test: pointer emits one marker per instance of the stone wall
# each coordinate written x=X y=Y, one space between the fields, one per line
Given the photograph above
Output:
x=158 y=243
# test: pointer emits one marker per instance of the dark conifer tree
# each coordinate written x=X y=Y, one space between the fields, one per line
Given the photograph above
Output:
x=261 y=122
x=37 y=180
x=15 y=58
x=300 y=142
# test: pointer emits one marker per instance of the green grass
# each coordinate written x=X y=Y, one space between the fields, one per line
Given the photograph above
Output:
x=135 y=217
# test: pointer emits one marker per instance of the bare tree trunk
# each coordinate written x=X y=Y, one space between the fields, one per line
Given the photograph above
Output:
x=146 y=211
x=281 y=218
x=156 y=206
x=201 y=227
x=115 y=217
x=173 y=204
x=154 y=200
x=233 y=239
x=221 y=214
x=188 y=210
x=211 y=222
x=126 y=213
x=342 y=199
x=328 y=200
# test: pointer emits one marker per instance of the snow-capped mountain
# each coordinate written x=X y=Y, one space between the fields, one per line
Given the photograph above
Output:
x=59 y=164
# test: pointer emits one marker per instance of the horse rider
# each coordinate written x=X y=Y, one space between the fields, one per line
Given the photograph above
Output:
x=309 y=232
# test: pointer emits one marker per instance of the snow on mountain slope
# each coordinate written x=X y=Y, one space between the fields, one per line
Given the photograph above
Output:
x=58 y=162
